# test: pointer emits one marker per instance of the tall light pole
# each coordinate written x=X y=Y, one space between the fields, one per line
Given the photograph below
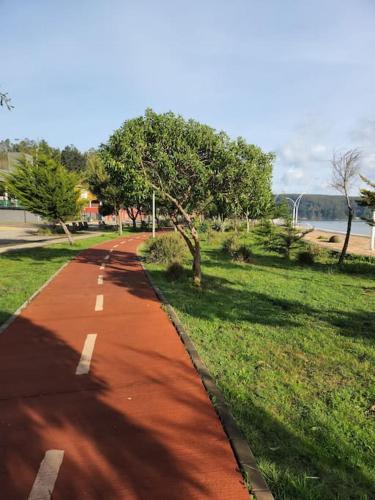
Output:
x=294 y=208
x=298 y=201
x=153 y=214
x=295 y=203
x=372 y=243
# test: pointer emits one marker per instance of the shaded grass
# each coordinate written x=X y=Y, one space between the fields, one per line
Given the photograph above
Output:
x=23 y=272
x=292 y=349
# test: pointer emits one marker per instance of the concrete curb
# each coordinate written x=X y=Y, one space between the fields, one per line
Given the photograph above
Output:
x=241 y=449
x=10 y=320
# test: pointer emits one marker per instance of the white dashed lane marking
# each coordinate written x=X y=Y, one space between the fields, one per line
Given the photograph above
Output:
x=88 y=348
x=106 y=257
x=100 y=279
x=99 y=303
x=102 y=266
x=48 y=471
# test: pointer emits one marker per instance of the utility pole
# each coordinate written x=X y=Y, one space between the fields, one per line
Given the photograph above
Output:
x=153 y=214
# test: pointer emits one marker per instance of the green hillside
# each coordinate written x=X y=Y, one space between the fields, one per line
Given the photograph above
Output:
x=324 y=207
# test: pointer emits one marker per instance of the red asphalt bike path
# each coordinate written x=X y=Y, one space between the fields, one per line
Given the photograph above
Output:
x=139 y=424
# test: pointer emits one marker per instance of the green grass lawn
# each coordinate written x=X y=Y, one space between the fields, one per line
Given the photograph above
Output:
x=292 y=349
x=24 y=271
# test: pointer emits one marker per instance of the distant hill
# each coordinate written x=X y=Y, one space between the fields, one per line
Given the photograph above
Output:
x=324 y=207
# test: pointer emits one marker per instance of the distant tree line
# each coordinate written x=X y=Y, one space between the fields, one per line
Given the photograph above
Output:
x=325 y=207
x=70 y=156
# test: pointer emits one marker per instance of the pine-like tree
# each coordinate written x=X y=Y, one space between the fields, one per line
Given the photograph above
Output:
x=46 y=188
x=368 y=200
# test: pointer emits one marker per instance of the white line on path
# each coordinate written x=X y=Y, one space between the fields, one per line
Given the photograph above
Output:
x=115 y=246
x=100 y=279
x=111 y=250
x=99 y=303
x=88 y=348
x=106 y=257
x=48 y=471
x=102 y=266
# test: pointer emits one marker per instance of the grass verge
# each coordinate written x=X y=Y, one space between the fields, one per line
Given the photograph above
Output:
x=292 y=349
x=23 y=272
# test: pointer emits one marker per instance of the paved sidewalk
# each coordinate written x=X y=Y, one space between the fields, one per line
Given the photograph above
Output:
x=40 y=241
x=98 y=398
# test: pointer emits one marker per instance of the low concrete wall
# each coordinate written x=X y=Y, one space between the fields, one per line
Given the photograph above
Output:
x=17 y=216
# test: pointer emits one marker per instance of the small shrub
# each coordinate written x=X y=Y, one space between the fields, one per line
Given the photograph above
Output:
x=306 y=257
x=49 y=230
x=220 y=226
x=204 y=227
x=334 y=239
x=231 y=245
x=244 y=254
x=237 y=250
x=175 y=271
x=166 y=249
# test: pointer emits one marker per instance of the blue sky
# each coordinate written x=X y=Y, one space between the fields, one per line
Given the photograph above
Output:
x=295 y=77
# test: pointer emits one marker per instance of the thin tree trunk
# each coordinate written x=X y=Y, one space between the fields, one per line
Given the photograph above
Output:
x=194 y=248
x=197 y=271
x=247 y=223
x=119 y=221
x=67 y=232
x=347 y=237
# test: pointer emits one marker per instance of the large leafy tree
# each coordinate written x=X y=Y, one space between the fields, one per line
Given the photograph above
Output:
x=178 y=159
x=46 y=188
x=246 y=191
x=186 y=163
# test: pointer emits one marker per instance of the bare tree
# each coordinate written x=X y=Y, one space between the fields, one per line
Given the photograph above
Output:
x=345 y=169
x=5 y=100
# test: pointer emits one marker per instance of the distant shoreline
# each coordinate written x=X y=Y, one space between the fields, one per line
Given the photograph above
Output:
x=329 y=231
x=359 y=244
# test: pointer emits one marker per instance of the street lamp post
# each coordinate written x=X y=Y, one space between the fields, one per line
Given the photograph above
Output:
x=298 y=201
x=295 y=203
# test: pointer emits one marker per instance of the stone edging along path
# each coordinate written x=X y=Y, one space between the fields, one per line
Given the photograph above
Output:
x=241 y=449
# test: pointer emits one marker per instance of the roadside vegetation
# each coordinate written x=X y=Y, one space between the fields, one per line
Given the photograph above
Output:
x=286 y=329
x=290 y=343
x=22 y=272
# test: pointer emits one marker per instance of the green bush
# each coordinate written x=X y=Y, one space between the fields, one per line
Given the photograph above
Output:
x=220 y=226
x=306 y=257
x=231 y=245
x=175 y=271
x=49 y=230
x=166 y=249
x=236 y=250
x=334 y=239
x=244 y=254
x=204 y=227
